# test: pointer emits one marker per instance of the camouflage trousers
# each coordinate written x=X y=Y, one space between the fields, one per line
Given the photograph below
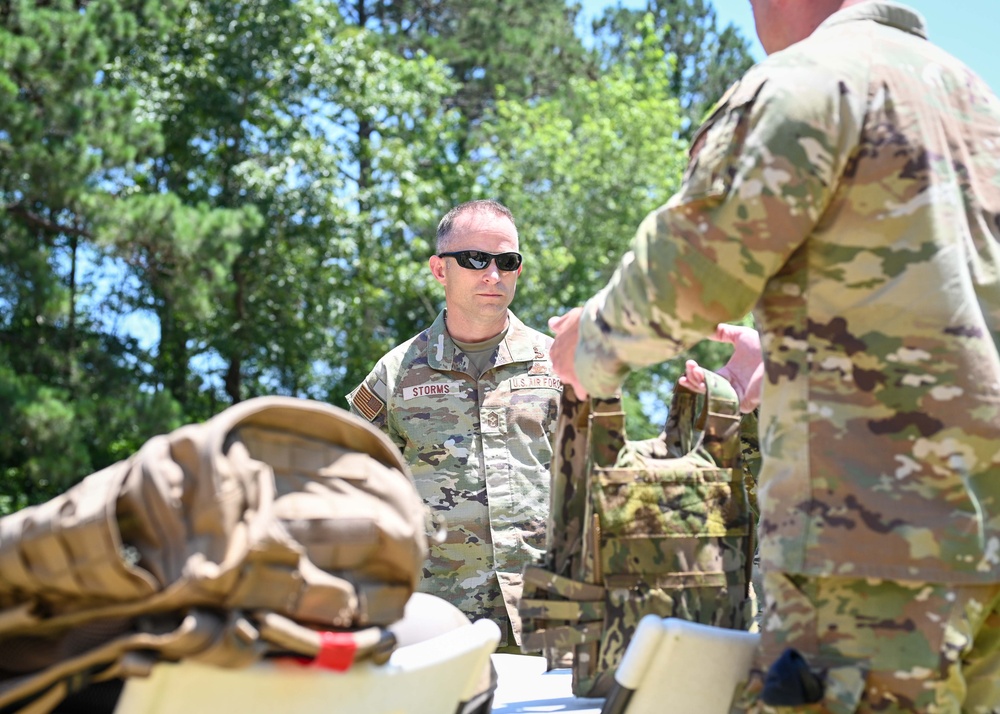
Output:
x=882 y=646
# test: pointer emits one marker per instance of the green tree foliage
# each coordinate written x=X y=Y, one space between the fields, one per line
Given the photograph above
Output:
x=708 y=57
x=305 y=138
x=63 y=125
x=203 y=201
x=230 y=90
x=530 y=47
x=388 y=113
x=584 y=169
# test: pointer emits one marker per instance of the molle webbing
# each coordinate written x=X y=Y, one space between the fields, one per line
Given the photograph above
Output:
x=660 y=526
x=222 y=542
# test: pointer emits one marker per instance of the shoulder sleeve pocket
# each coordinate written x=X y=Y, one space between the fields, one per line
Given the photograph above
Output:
x=718 y=145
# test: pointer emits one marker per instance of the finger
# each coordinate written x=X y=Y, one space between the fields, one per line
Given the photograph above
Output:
x=725 y=332
x=694 y=373
x=558 y=323
x=684 y=382
x=694 y=377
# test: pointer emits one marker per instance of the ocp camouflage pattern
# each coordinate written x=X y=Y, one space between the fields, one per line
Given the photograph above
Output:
x=480 y=453
x=659 y=526
x=917 y=639
x=847 y=190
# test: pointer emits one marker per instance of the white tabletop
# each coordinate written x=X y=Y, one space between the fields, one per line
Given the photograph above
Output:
x=523 y=686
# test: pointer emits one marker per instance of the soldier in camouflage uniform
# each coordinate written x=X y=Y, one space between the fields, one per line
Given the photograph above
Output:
x=471 y=402
x=847 y=189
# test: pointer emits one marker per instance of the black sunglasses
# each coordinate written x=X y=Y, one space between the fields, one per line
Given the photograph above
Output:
x=480 y=259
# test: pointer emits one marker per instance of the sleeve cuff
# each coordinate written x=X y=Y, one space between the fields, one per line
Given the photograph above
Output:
x=598 y=368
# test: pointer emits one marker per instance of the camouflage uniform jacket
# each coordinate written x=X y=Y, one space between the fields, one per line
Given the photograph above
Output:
x=479 y=450
x=847 y=189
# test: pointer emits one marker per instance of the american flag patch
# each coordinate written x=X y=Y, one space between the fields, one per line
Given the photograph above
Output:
x=367 y=402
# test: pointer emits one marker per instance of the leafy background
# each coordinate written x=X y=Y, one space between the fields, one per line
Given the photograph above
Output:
x=206 y=201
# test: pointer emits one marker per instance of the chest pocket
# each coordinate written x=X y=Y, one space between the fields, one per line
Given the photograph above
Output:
x=533 y=412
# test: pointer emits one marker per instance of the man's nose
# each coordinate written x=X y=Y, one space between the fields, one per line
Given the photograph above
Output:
x=492 y=274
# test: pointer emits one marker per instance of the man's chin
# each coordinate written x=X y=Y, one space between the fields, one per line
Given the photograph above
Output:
x=494 y=303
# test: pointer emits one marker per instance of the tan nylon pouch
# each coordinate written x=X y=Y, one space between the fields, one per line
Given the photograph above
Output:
x=276 y=507
x=70 y=549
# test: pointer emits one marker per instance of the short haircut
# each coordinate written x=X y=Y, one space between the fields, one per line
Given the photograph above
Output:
x=482 y=205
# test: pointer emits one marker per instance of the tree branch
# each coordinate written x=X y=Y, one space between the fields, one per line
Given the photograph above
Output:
x=36 y=221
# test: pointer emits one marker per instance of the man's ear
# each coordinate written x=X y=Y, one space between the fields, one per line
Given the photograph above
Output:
x=437 y=268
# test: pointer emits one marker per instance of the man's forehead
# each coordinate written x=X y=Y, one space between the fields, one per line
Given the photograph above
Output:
x=483 y=222
x=483 y=233
x=482 y=229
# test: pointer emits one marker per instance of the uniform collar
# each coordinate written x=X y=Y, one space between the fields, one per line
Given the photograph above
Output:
x=441 y=348
x=884 y=12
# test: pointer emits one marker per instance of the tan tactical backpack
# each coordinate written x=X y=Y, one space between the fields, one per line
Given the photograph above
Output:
x=264 y=530
x=661 y=526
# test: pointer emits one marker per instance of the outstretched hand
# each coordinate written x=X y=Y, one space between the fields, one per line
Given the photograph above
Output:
x=563 y=350
x=744 y=370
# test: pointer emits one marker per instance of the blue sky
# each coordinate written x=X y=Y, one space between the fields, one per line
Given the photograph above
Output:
x=965 y=28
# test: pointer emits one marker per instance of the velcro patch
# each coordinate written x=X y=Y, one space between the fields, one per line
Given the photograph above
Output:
x=367 y=402
x=539 y=368
x=432 y=389
x=493 y=420
x=535 y=382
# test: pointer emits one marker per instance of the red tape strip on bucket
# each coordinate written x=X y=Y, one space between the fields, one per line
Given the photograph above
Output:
x=336 y=651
